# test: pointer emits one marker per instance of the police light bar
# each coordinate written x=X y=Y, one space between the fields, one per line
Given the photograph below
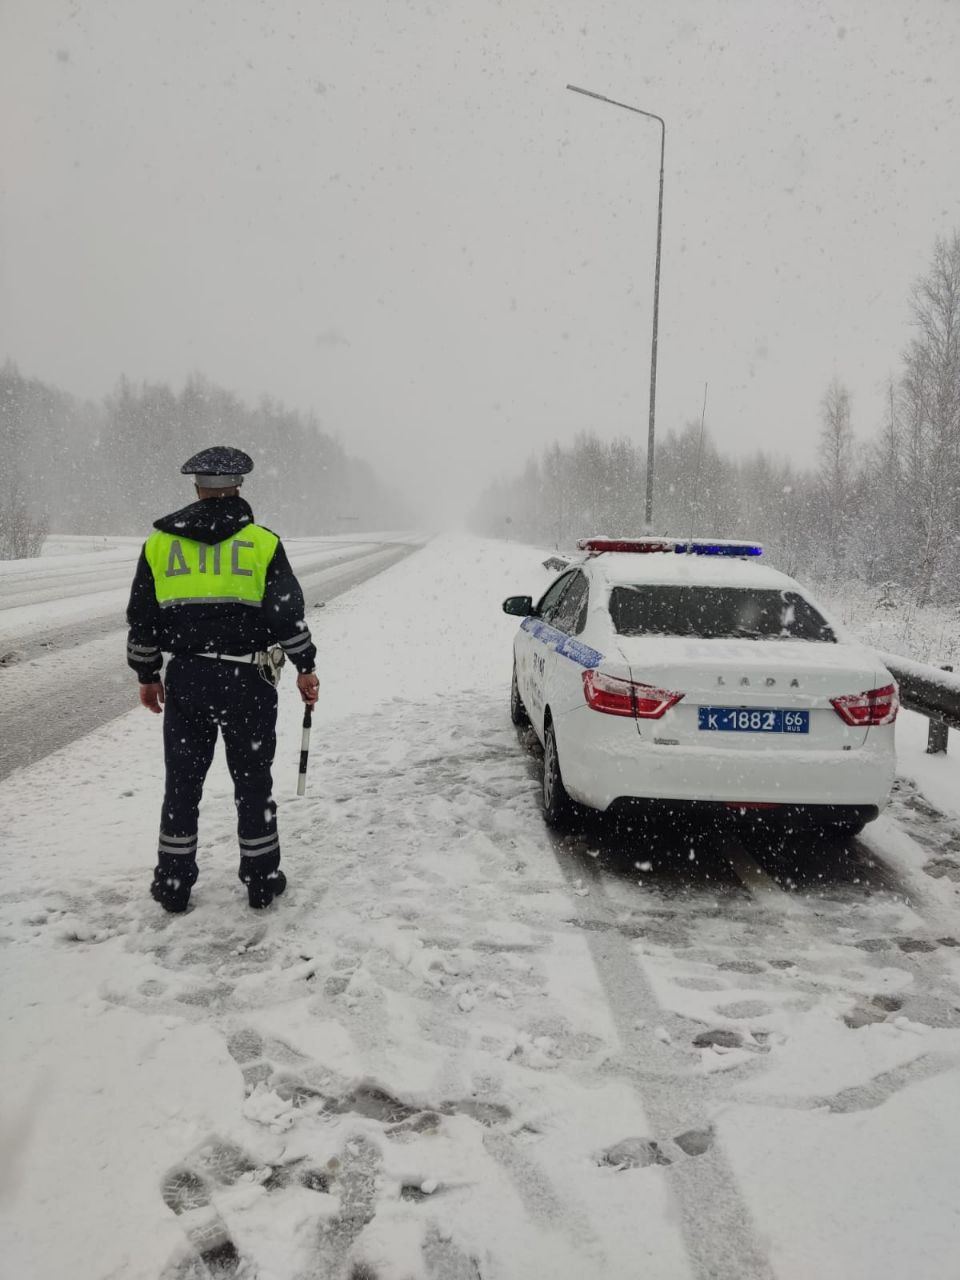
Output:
x=678 y=546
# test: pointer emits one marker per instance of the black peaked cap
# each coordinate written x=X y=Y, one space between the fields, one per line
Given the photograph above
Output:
x=220 y=460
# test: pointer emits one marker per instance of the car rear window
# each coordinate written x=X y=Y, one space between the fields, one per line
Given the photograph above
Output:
x=714 y=613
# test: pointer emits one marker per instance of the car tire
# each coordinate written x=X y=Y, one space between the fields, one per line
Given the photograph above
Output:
x=558 y=808
x=518 y=712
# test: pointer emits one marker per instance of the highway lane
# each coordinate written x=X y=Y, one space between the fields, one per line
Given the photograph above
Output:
x=80 y=679
x=56 y=603
x=55 y=578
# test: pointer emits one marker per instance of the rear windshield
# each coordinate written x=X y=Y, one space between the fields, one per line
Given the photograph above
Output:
x=714 y=613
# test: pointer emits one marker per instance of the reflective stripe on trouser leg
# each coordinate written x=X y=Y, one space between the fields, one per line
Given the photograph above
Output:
x=181 y=846
x=260 y=846
x=259 y=857
x=176 y=862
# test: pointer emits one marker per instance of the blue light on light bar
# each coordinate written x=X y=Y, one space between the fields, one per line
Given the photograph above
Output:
x=682 y=546
x=718 y=549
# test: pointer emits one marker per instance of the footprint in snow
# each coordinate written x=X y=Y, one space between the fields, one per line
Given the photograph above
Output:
x=741 y=966
x=695 y=1142
x=444 y=1260
x=641 y=1153
x=188 y=1190
x=721 y=1038
x=890 y=1004
x=356 y=1174
x=633 y=1153
x=943 y=869
x=279 y=1068
x=744 y=1009
x=862 y=1016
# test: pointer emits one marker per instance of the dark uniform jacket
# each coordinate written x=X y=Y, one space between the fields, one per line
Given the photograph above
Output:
x=215 y=628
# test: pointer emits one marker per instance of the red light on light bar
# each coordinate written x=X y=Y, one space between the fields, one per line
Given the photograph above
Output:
x=876 y=706
x=638 y=545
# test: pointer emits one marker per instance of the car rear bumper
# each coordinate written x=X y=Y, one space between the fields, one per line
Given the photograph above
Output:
x=604 y=760
x=713 y=814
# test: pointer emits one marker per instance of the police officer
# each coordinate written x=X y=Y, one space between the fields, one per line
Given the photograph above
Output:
x=215 y=590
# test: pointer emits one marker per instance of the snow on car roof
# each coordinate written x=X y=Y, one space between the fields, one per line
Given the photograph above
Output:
x=625 y=569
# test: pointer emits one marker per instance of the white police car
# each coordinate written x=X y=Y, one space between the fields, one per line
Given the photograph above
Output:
x=689 y=674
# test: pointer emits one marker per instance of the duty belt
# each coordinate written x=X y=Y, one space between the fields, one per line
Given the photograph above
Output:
x=267 y=661
x=228 y=657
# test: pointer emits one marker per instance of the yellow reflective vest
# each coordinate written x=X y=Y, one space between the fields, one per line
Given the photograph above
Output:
x=230 y=572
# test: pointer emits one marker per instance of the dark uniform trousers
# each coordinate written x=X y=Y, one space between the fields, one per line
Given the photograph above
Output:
x=203 y=695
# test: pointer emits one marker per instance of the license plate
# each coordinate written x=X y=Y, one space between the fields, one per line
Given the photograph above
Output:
x=753 y=720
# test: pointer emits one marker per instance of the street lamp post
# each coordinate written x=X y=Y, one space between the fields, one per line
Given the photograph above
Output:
x=648 y=515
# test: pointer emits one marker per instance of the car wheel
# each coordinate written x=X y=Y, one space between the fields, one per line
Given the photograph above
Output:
x=518 y=712
x=558 y=808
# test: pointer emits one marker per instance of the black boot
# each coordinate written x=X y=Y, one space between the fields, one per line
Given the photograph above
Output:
x=260 y=893
x=173 y=878
x=263 y=878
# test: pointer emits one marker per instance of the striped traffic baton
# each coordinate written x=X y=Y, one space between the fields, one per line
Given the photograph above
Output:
x=304 y=749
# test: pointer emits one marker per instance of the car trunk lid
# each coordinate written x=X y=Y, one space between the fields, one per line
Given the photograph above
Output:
x=751 y=675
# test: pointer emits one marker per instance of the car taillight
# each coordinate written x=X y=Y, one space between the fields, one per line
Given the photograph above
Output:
x=876 y=706
x=617 y=697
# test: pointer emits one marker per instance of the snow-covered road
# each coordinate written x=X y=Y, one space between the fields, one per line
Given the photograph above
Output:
x=83 y=586
x=60 y=679
x=458 y=1047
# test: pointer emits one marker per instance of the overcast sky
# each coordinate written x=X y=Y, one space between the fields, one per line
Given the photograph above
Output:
x=392 y=212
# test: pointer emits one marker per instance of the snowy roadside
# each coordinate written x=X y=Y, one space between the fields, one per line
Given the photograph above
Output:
x=928 y=635
x=418 y=1058
x=891 y=622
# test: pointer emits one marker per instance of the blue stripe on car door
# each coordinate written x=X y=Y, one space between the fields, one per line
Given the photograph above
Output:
x=567 y=646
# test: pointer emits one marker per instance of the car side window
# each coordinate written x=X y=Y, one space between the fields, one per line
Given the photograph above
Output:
x=551 y=600
x=571 y=614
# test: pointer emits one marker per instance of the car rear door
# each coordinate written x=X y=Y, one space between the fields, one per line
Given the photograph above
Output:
x=541 y=640
x=563 y=673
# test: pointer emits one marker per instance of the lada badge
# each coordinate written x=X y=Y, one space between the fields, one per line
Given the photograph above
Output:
x=770 y=681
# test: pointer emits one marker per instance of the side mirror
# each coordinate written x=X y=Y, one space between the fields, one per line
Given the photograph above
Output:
x=519 y=606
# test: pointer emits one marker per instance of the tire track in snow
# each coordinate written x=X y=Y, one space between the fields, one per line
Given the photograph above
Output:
x=928 y=872
x=536 y=1194
x=717 y=1230
x=865 y=1097
x=812 y=900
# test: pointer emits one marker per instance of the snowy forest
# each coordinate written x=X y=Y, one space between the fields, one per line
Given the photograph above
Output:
x=113 y=466
x=885 y=510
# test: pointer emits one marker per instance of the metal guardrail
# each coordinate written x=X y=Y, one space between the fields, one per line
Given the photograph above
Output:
x=932 y=691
